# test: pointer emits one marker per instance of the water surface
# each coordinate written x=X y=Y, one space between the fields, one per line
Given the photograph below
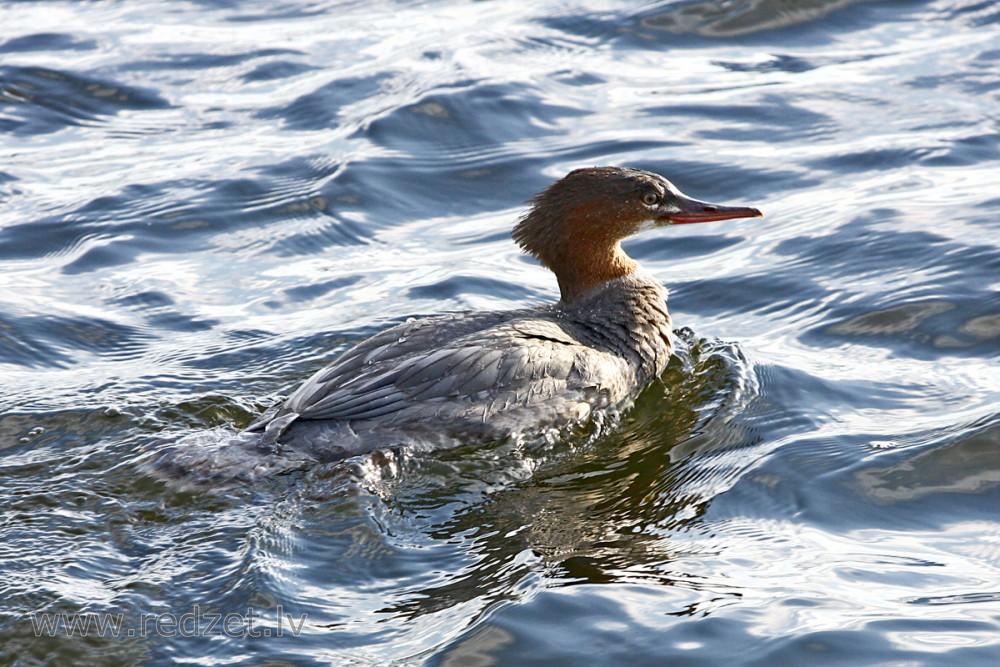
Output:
x=204 y=202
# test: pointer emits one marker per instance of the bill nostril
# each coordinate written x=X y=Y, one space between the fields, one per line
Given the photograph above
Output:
x=711 y=209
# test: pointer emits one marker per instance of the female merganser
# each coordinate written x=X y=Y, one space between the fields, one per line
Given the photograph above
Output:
x=479 y=377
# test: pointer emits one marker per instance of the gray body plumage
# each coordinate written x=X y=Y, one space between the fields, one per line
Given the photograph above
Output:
x=450 y=380
x=479 y=376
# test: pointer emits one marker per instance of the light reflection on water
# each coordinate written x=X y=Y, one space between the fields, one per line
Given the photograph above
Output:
x=203 y=203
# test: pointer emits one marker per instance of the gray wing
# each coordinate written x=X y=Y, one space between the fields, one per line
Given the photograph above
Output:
x=521 y=363
x=517 y=364
x=384 y=347
x=402 y=340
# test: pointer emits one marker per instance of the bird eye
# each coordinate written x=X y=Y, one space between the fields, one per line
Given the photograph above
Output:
x=650 y=199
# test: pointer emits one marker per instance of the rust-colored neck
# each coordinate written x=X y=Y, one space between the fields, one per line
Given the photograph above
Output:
x=580 y=244
x=590 y=269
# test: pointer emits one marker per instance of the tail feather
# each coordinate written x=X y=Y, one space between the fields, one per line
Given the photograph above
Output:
x=219 y=458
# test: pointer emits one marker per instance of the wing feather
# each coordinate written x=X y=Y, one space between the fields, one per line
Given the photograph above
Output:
x=521 y=362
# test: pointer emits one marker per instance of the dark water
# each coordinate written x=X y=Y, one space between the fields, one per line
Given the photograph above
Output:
x=203 y=202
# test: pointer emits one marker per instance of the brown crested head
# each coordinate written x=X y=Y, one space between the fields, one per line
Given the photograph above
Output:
x=576 y=225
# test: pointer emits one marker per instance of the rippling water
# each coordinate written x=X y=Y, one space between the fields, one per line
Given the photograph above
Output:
x=203 y=202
